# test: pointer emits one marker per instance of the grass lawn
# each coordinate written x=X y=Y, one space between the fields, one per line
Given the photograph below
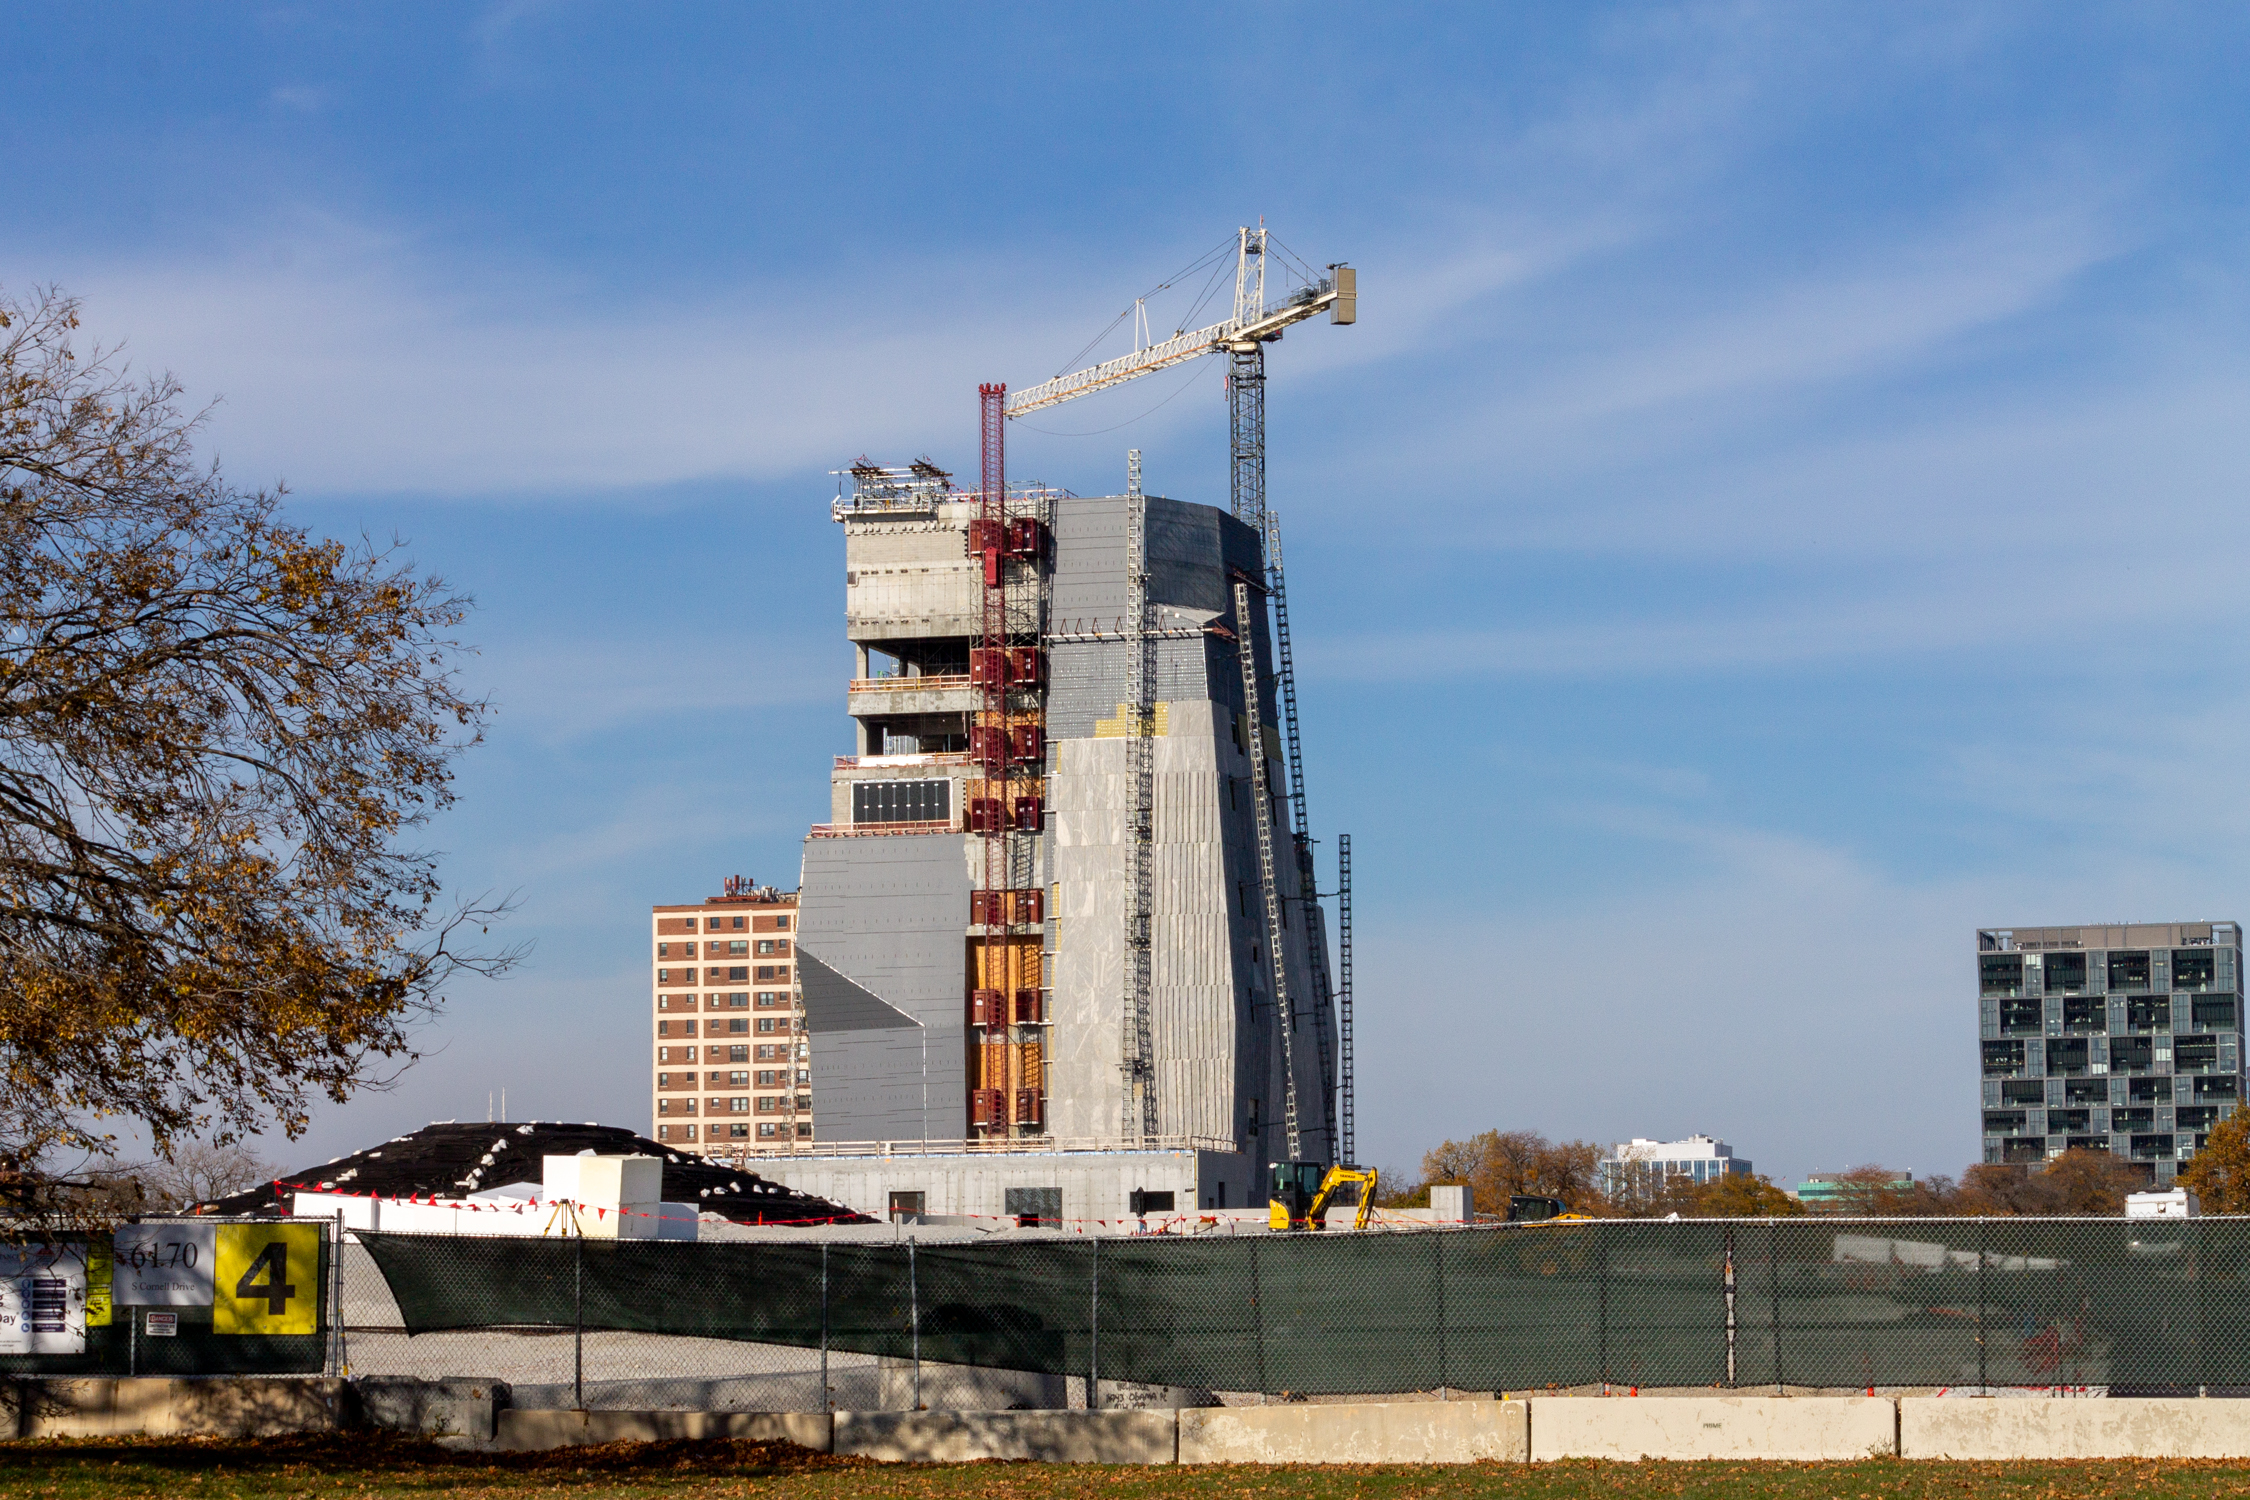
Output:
x=351 y=1466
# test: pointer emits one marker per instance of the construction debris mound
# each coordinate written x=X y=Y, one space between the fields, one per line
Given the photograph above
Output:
x=454 y=1160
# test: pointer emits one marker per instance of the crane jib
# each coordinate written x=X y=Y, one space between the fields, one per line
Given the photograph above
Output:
x=1171 y=351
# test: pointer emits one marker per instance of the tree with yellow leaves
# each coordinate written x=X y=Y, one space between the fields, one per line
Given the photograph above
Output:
x=216 y=730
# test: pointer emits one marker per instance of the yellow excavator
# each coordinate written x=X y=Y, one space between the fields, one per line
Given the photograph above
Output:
x=1299 y=1195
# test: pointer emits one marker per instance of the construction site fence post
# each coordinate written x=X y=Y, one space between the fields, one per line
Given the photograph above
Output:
x=1773 y=1287
x=1094 y=1329
x=336 y=1303
x=827 y=1391
x=1437 y=1281
x=1984 y=1384
x=914 y=1320
x=1601 y=1315
x=578 y=1321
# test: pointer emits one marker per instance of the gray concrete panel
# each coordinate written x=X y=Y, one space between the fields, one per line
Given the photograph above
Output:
x=881 y=951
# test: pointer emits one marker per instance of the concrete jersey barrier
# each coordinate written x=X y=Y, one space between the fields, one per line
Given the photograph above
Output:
x=2128 y=1427
x=1076 y=1437
x=530 y=1431
x=1801 y=1428
x=1403 y=1432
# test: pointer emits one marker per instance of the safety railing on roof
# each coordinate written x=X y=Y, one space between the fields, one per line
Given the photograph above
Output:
x=927 y=683
x=876 y=830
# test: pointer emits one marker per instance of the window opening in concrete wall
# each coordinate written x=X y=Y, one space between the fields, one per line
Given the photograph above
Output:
x=2196 y=1116
x=2149 y=1013
x=2065 y=1057
x=2062 y=1121
x=2004 y=1121
x=2084 y=1090
x=2195 y=1054
x=2000 y=974
x=2149 y=1090
x=2217 y=1086
x=2128 y=971
x=2002 y=1058
x=1034 y=1205
x=2127 y=1054
x=2024 y=1091
x=2136 y=1118
x=2065 y=973
x=905 y=1206
x=2085 y=1015
x=2022 y=1016
x=2214 y=1012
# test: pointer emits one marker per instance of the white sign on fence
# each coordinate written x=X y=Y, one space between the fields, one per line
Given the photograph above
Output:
x=42 y=1299
x=165 y=1265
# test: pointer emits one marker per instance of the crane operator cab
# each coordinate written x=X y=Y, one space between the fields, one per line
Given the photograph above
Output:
x=1298 y=1193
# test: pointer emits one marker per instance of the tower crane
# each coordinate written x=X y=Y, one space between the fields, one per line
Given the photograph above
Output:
x=1253 y=323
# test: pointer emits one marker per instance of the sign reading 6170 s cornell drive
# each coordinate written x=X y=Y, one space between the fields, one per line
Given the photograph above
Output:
x=255 y=1277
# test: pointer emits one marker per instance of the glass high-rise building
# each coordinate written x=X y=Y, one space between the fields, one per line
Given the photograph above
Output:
x=2125 y=1039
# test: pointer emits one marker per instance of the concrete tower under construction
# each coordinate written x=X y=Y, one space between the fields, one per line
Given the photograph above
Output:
x=1055 y=940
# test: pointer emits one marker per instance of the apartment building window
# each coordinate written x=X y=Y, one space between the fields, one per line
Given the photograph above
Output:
x=781 y=923
x=740 y=1132
x=771 y=973
x=738 y=973
x=739 y=945
x=768 y=1078
x=2193 y=968
x=663 y=950
x=768 y=1104
x=738 y=1053
x=738 y=1105
x=735 y=1001
x=771 y=998
x=739 y=1078
x=738 y=1023
x=736 y=924
x=767 y=1129
x=768 y=1053
x=765 y=1023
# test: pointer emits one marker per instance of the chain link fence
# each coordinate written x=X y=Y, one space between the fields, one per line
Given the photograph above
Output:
x=1038 y=1319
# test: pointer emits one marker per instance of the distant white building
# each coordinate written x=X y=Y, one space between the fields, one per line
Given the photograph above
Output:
x=1644 y=1165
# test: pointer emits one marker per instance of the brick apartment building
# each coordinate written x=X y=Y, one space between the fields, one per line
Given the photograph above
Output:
x=733 y=1069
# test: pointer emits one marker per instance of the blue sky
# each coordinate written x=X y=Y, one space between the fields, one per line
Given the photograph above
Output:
x=1778 y=511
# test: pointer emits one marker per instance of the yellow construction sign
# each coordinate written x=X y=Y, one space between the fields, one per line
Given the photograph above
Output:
x=268 y=1279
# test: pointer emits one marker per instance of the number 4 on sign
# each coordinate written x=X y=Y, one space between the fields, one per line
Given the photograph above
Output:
x=268 y=1279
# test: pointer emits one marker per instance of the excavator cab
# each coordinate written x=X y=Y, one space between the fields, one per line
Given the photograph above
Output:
x=1298 y=1195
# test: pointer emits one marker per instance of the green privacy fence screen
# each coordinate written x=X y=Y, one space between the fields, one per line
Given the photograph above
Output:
x=1743 y=1303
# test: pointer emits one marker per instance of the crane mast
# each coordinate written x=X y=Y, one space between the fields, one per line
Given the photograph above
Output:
x=1242 y=337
